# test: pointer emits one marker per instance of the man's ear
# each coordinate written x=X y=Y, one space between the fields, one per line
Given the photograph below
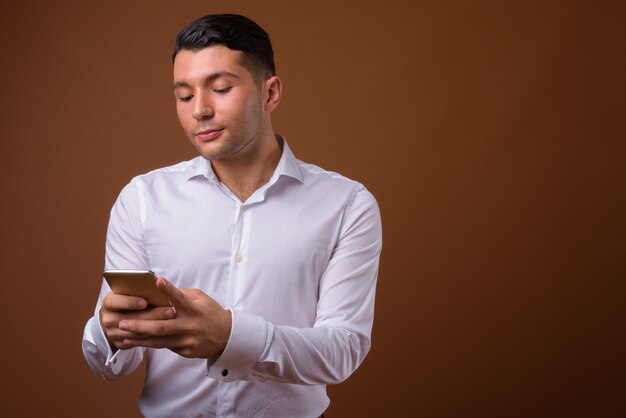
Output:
x=273 y=88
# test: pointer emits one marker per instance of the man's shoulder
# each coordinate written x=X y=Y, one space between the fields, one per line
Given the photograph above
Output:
x=318 y=175
x=331 y=190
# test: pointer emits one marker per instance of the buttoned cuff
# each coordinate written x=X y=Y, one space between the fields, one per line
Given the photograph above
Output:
x=114 y=360
x=247 y=342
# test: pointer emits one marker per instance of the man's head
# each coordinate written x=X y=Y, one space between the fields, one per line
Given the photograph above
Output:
x=235 y=32
x=225 y=87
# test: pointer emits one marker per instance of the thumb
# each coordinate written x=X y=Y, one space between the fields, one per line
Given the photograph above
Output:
x=176 y=297
x=194 y=294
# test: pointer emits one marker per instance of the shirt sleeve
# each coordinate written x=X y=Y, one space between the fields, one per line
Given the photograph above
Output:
x=123 y=251
x=335 y=346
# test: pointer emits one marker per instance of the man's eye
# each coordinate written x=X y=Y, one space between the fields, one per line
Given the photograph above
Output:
x=222 y=91
x=185 y=98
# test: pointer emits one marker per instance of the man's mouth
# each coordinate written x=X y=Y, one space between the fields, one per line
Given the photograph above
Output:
x=208 y=134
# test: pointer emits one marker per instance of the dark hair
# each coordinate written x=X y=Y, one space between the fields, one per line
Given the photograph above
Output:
x=235 y=32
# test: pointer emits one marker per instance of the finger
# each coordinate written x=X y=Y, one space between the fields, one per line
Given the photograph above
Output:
x=194 y=294
x=176 y=296
x=155 y=313
x=151 y=328
x=110 y=322
x=113 y=318
x=118 y=335
x=122 y=346
x=115 y=302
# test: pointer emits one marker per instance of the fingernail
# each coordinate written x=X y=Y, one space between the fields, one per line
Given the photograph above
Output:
x=122 y=325
x=142 y=304
x=170 y=313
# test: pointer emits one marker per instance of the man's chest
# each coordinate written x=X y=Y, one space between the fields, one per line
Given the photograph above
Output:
x=252 y=257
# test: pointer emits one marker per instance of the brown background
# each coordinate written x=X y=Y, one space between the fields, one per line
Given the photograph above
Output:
x=492 y=135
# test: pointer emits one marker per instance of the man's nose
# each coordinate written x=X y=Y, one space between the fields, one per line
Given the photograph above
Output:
x=202 y=107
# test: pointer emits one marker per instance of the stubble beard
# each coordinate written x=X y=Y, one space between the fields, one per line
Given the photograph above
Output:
x=240 y=134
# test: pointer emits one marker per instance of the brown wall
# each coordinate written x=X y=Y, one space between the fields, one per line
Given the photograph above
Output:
x=492 y=135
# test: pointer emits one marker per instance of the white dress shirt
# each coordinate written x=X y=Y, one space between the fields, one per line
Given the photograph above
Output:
x=296 y=264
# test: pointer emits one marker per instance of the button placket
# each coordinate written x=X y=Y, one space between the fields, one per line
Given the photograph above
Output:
x=239 y=223
x=238 y=254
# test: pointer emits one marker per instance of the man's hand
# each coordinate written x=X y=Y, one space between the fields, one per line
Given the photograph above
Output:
x=116 y=308
x=199 y=327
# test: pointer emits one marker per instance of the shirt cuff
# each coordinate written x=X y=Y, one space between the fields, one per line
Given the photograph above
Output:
x=247 y=342
x=114 y=360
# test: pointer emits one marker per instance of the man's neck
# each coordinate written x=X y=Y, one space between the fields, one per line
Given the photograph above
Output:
x=251 y=169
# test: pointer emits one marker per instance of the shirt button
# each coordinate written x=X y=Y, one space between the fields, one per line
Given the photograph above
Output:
x=243 y=208
x=225 y=372
x=238 y=258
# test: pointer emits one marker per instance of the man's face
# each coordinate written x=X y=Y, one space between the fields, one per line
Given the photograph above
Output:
x=218 y=102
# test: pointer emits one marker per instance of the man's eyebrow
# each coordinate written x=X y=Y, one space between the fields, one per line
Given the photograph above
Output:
x=208 y=79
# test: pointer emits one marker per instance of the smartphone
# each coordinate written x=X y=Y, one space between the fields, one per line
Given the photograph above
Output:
x=140 y=283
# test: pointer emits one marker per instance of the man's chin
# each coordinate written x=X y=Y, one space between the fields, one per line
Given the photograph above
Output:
x=219 y=149
x=213 y=154
x=207 y=150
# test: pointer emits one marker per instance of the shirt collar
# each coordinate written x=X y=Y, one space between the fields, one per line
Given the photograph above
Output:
x=200 y=167
x=287 y=166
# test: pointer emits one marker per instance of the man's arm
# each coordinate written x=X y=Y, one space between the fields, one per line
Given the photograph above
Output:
x=123 y=250
x=339 y=340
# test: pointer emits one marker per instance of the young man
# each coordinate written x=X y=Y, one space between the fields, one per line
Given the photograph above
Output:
x=269 y=263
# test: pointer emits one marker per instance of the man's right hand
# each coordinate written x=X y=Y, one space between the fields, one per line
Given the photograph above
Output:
x=118 y=307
